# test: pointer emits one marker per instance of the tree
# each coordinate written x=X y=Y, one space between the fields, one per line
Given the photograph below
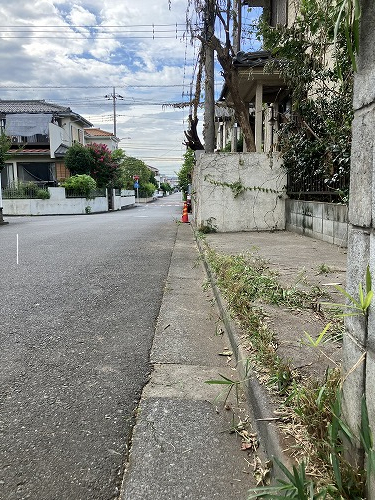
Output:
x=225 y=52
x=166 y=187
x=4 y=155
x=185 y=172
x=133 y=166
x=95 y=160
x=5 y=144
x=78 y=160
x=105 y=170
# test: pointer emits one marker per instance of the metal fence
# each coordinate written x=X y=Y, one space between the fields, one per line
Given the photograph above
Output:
x=94 y=193
x=317 y=187
x=24 y=192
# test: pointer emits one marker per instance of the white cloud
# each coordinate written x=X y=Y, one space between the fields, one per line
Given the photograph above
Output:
x=127 y=49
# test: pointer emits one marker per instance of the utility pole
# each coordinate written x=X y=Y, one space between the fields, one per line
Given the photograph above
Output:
x=114 y=96
x=209 y=101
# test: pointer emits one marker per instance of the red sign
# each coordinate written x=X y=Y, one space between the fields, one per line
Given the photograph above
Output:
x=136 y=177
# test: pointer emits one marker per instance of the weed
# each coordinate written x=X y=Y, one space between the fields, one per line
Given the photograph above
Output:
x=206 y=285
x=229 y=383
x=281 y=377
x=355 y=307
x=319 y=409
x=324 y=269
x=209 y=227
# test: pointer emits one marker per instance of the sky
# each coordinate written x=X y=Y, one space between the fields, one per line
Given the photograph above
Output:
x=82 y=53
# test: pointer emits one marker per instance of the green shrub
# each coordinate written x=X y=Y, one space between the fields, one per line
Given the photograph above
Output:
x=43 y=194
x=80 y=184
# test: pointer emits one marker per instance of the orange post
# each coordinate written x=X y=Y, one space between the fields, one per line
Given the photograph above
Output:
x=185 y=216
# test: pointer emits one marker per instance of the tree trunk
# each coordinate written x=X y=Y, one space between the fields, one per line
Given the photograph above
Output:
x=231 y=78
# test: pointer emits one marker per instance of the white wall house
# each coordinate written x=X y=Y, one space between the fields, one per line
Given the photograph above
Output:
x=99 y=136
x=41 y=133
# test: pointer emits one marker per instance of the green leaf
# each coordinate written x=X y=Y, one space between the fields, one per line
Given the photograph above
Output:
x=223 y=382
x=366 y=434
x=348 y=296
x=336 y=470
x=368 y=280
x=368 y=300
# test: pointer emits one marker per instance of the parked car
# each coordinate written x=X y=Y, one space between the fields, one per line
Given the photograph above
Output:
x=158 y=194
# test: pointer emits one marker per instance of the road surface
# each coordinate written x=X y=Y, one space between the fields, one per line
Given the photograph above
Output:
x=78 y=313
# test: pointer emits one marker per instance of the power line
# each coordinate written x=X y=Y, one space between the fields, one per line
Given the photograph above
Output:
x=93 y=25
x=121 y=86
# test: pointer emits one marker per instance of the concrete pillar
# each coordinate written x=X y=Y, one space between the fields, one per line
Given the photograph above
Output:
x=359 y=340
x=258 y=117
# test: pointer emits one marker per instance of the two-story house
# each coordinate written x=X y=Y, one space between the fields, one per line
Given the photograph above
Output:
x=40 y=133
x=99 y=136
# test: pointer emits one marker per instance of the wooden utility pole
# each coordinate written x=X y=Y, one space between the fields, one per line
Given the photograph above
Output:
x=209 y=102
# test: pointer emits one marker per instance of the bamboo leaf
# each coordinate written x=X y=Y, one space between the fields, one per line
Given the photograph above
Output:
x=223 y=382
x=348 y=296
x=368 y=280
x=368 y=299
x=336 y=470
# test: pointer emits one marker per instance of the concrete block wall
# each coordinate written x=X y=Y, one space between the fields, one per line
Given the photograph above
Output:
x=359 y=340
x=323 y=221
x=252 y=210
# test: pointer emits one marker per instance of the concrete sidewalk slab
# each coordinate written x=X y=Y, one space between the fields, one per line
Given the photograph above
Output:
x=182 y=447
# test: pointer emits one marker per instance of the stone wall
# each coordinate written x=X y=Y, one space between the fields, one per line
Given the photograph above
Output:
x=323 y=221
x=359 y=341
x=219 y=199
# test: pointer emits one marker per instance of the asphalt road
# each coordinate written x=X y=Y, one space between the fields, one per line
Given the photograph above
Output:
x=78 y=313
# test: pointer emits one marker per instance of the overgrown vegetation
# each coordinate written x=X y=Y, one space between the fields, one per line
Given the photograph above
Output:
x=314 y=60
x=309 y=408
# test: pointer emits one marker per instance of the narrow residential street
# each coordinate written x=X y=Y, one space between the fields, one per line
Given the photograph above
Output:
x=77 y=320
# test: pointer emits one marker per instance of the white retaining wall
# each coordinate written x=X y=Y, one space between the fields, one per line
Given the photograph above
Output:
x=252 y=210
x=127 y=198
x=56 y=205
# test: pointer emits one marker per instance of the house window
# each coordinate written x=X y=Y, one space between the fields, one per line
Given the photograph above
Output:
x=279 y=13
x=36 y=172
x=75 y=134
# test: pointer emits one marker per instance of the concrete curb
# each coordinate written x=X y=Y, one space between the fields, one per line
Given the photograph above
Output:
x=257 y=396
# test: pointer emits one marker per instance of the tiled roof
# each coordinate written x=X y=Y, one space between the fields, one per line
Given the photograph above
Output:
x=97 y=132
x=31 y=106
x=33 y=151
x=247 y=59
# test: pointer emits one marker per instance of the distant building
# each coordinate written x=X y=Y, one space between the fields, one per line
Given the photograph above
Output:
x=98 y=136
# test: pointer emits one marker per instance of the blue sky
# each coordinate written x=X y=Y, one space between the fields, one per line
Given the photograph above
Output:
x=74 y=52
